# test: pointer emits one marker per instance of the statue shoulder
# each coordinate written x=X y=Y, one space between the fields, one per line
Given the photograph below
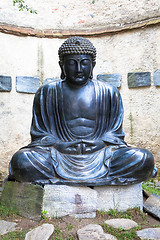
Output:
x=48 y=86
x=107 y=86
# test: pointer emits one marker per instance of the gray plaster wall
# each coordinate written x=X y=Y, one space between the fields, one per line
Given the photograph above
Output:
x=126 y=52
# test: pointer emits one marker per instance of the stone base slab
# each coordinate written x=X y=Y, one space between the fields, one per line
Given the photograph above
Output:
x=83 y=202
x=25 y=199
x=62 y=200
x=119 y=197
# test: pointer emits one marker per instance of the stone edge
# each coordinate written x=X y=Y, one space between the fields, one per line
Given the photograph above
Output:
x=51 y=33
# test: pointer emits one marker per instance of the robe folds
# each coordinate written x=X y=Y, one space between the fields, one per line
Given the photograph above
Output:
x=115 y=164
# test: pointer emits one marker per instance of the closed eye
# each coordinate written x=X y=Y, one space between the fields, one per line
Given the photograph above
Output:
x=85 y=62
x=71 y=62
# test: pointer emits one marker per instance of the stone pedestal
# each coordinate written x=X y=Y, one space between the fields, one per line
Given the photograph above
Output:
x=60 y=200
x=64 y=200
x=83 y=202
x=24 y=199
x=119 y=197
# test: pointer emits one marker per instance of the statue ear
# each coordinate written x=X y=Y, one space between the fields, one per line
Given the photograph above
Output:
x=93 y=64
x=62 y=70
x=91 y=74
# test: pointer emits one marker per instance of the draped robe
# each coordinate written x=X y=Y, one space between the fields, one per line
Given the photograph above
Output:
x=115 y=164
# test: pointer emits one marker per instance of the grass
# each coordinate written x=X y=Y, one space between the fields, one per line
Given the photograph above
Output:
x=120 y=233
x=60 y=235
x=123 y=214
x=15 y=235
x=151 y=187
x=6 y=211
x=69 y=227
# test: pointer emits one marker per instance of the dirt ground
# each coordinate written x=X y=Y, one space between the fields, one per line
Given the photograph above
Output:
x=66 y=227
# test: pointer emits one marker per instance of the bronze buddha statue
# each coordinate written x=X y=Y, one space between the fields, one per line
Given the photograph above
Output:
x=76 y=131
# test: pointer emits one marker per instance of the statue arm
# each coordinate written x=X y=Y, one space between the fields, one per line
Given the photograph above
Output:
x=113 y=117
x=43 y=131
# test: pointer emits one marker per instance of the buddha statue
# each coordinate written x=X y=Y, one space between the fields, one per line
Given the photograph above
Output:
x=76 y=131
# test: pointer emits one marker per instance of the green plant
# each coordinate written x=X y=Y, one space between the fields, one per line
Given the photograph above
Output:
x=23 y=6
x=113 y=212
x=69 y=227
x=43 y=214
x=129 y=213
x=151 y=187
x=57 y=233
x=131 y=126
x=16 y=235
x=6 y=211
x=102 y=212
x=70 y=237
x=120 y=233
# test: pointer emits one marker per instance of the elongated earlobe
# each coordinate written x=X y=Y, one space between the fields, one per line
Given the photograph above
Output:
x=62 y=75
x=62 y=71
x=91 y=75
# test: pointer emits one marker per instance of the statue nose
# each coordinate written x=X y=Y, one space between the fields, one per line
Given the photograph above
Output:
x=79 y=67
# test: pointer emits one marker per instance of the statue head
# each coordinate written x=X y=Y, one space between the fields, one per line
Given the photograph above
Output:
x=77 y=59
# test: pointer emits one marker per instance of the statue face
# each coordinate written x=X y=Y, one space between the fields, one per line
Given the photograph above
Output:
x=77 y=69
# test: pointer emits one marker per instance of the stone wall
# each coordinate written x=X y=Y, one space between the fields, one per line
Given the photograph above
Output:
x=132 y=55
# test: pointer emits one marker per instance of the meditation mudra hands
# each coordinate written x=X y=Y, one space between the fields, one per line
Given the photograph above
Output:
x=79 y=147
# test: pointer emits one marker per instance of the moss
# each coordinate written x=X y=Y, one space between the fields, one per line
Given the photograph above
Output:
x=131 y=126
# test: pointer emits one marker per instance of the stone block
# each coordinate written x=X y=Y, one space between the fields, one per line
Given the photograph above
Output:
x=42 y=232
x=29 y=200
x=49 y=80
x=124 y=223
x=64 y=200
x=152 y=205
x=92 y=232
x=139 y=79
x=156 y=78
x=6 y=227
x=24 y=198
x=149 y=233
x=27 y=84
x=119 y=197
x=5 y=83
x=114 y=79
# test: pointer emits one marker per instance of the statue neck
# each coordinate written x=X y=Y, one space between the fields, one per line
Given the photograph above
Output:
x=69 y=83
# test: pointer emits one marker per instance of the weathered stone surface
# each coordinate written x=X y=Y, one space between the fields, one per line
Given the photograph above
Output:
x=119 y=197
x=24 y=198
x=156 y=78
x=84 y=215
x=27 y=84
x=6 y=227
x=114 y=79
x=42 y=232
x=121 y=222
x=85 y=15
x=149 y=233
x=5 y=83
x=49 y=80
x=139 y=79
x=152 y=205
x=93 y=232
x=64 y=200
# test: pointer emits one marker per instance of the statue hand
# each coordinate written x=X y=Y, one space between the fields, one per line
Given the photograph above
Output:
x=79 y=147
x=91 y=146
x=68 y=147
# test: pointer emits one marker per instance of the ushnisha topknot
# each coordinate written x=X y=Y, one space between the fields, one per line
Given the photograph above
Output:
x=77 y=45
